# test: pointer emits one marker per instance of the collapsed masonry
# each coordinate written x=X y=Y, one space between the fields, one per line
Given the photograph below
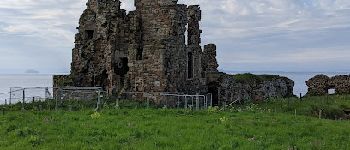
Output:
x=321 y=85
x=154 y=49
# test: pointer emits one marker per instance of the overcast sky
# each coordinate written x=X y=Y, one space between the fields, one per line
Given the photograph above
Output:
x=251 y=35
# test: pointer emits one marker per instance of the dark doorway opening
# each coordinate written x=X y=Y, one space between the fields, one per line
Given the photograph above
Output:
x=213 y=89
x=121 y=66
x=139 y=53
x=89 y=34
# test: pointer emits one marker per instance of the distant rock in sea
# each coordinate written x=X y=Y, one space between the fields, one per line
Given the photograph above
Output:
x=32 y=71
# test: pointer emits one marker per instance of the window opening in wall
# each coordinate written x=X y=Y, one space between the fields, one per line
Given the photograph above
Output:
x=190 y=65
x=139 y=53
x=331 y=91
x=89 y=34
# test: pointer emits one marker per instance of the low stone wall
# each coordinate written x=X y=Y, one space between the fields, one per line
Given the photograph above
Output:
x=62 y=81
x=320 y=84
x=248 y=87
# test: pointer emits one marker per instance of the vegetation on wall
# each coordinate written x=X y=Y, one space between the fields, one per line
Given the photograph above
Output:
x=251 y=78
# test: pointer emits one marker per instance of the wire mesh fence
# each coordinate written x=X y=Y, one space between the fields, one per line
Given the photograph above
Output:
x=169 y=100
x=186 y=101
x=3 y=98
x=48 y=98
x=79 y=98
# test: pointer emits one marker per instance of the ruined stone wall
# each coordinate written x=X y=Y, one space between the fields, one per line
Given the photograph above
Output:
x=341 y=84
x=195 y=79
x=210 y=63
x=253 y=88
x=142 y=51
x=165 y=64
x=148 y=64
x=175 y=58
x=101 y=41
x=145 y=51
x=62 y=81
x=320 y=84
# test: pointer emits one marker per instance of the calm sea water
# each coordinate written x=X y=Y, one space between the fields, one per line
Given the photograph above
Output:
x=7 y=81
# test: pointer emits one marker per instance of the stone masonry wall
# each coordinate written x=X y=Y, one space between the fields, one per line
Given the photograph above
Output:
x=320 y=84
x=142 y=51
x=253 y=88
x=145 y=51
x=210 y=64
x=100 y=43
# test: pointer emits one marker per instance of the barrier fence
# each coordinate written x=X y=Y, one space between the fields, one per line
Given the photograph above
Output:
x=76 y=98
x=187 y=101
x=56 y=98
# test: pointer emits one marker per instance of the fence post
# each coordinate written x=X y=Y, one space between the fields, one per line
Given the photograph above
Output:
x=33 y=100
x=166 y=103
x=224 y=105
x=23 y=99
x=56 y=97
x=98 y=100
x=46 y=93
x=56 y=105
x=48 y=105
x=301 y=97
x=211 y=100
x=10 y=96
x=147 y=102
x=192 y=98
x=117 y=102
x=197 y=102
x=178 y=102
x=5 y=101
x=186 y=102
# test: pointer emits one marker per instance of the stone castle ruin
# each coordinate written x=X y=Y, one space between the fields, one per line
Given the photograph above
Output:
x=322 y=84
x=155 y=49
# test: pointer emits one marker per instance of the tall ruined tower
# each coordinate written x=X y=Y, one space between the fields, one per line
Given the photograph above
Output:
x=101 y=46
x=164 y=63
x=142 y=51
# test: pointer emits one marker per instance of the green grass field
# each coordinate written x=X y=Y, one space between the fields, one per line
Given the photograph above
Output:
x=272 y=125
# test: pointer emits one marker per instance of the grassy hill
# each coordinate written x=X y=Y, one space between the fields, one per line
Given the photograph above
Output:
x=271 y=125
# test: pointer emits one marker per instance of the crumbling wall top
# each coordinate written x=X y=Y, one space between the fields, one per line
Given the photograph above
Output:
x=97 y=5
x=320 y=84
x=194 y=11
x=142 y=3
